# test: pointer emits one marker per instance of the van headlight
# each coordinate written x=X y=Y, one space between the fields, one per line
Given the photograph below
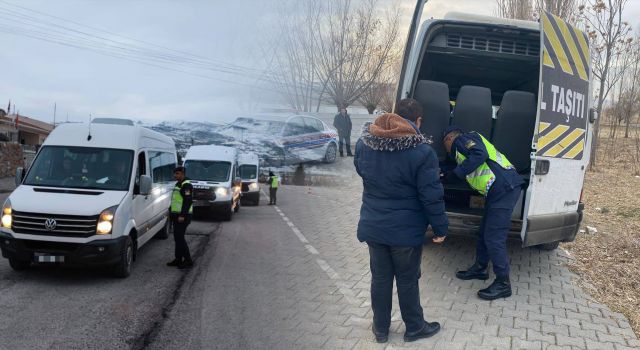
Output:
x=253 y=186
x=222 y=192
x=105 y=221
x=6 y=214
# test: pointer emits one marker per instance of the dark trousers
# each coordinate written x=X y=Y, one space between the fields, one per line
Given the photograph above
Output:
x=344 y=140
x=182 y=249
x=496 y=223
x=272 y=195
x=403 y=263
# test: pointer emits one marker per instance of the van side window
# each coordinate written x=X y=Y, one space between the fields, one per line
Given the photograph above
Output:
x=141 y=170
x=161 y=165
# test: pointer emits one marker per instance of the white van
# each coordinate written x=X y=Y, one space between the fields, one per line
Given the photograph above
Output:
x=249 y=165
x=526 y=86
x=94 y=195
x=213 y=172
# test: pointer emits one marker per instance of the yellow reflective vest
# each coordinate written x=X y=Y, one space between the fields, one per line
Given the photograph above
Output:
x=482 y=178
x=177 y=199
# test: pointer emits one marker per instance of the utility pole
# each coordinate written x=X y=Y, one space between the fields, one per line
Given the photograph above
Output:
x=54 y=114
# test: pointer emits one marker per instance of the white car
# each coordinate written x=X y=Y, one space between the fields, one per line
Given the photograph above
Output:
x=90 y=198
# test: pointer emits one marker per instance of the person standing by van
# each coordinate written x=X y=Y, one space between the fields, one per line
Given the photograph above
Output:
x=273 y=188
x=181 y=211
x=491 y=174
x=402 y=196
x=342 y=122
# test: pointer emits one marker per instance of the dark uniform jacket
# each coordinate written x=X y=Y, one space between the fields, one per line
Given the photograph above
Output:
x=471 y=146
x=402 y=193
x=343 y=124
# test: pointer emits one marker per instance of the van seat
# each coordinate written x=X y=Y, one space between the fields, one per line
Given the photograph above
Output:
x=434 y=98
x=514 y=126
x=473 y=110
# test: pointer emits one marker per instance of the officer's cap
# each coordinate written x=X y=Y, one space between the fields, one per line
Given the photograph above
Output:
x=179 y=169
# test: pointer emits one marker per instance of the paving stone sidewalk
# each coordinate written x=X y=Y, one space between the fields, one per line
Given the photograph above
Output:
x=547 y=310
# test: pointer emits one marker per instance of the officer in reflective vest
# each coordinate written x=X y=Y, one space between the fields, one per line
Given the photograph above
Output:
x=273 y=188
x=181 y=211
x=491 y=174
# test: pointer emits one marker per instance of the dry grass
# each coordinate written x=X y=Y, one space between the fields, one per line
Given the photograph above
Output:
x=609 y=261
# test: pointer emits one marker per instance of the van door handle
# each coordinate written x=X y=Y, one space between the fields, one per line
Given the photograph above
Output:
x=542 y=167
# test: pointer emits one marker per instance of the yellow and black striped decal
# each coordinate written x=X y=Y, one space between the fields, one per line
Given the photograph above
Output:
x=564 y=91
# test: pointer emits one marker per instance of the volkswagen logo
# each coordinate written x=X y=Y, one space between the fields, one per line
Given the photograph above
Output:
x=50 y=224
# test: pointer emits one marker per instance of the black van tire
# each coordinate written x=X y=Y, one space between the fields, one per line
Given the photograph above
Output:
x=331 y=154
x=227 y=214
x=123 y=267
x=19 y=265
x=164 y=231
x=549 y=246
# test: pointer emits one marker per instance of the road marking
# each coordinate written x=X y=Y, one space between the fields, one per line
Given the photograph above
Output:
x=343 y=288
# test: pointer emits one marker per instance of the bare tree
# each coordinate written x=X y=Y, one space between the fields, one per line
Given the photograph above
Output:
x=353 y=45
x=569 y=10
x=516 y=9
x=632 y=104
x=608 y=34
x=381 y=92
x=292 y=55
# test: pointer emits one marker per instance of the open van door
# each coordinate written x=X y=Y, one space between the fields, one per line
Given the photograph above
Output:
x=562 y=138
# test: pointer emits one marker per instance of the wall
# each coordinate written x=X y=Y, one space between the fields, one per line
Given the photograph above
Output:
x=11 y=157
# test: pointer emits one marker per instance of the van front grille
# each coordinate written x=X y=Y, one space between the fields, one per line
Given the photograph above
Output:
x=203 y=193
x=54 y=225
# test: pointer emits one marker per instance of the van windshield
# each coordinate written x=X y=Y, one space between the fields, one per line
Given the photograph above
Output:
x=204 y=170
x=81 y=167
x=248 y=172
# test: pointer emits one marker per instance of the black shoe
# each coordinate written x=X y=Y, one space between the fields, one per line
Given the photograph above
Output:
x=500 y=288
x=430 y=329
x=475 y=272
x=349 y=155
x=185 y=264
x=341 y=155
x=380 y=336
x=174 y=262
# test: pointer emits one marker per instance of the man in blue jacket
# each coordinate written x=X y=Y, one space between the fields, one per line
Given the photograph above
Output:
x=491 y=174
x=402 y=196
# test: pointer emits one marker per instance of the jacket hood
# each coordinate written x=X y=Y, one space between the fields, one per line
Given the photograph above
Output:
x=390 y=132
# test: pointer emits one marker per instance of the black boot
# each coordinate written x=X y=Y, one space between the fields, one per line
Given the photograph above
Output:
x=186 y=264
x=430 y=329
x=381 y=337
x=475 y=272
x=174 y=262
x=500 y=288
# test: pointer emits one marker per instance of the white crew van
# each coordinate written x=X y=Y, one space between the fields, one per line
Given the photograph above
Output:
x=249 y=165
x=213 y=171
x=94 y=195
x=525 y=86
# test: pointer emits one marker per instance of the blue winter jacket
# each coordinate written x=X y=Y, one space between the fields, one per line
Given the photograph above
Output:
x=402 y=193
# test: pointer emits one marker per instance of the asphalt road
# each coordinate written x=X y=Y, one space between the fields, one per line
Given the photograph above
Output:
x=50 y=307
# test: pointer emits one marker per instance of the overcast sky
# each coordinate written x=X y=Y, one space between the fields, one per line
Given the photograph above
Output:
x=227 y=34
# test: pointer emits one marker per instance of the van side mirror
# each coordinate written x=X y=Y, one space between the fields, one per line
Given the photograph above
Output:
x=19 y=175
x=593 y=115
x=145 y=185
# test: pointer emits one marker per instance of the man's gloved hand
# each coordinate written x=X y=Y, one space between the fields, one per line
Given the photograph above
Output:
x=448 y=176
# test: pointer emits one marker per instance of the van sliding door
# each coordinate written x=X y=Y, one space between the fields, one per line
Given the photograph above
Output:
x=562 y=137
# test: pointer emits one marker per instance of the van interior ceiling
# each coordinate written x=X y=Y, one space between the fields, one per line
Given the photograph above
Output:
x=490 y=75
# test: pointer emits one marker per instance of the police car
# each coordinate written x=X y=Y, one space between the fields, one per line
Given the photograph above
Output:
x=526 y=87
x=283 y=140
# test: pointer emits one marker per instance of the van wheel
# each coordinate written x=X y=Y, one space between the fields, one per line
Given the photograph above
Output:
x=330 y=154
x=228 y=213
x=257 y=202
x=19 y=265
x=164 y=231
x=123 y=268
x=549 y=246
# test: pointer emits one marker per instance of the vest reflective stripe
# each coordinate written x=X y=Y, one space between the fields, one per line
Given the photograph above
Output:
x=177 y=199
x=482 y=178
x=273 y=182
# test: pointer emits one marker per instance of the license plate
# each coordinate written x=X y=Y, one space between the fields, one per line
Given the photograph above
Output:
x=476 y=202
x=46 y=258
